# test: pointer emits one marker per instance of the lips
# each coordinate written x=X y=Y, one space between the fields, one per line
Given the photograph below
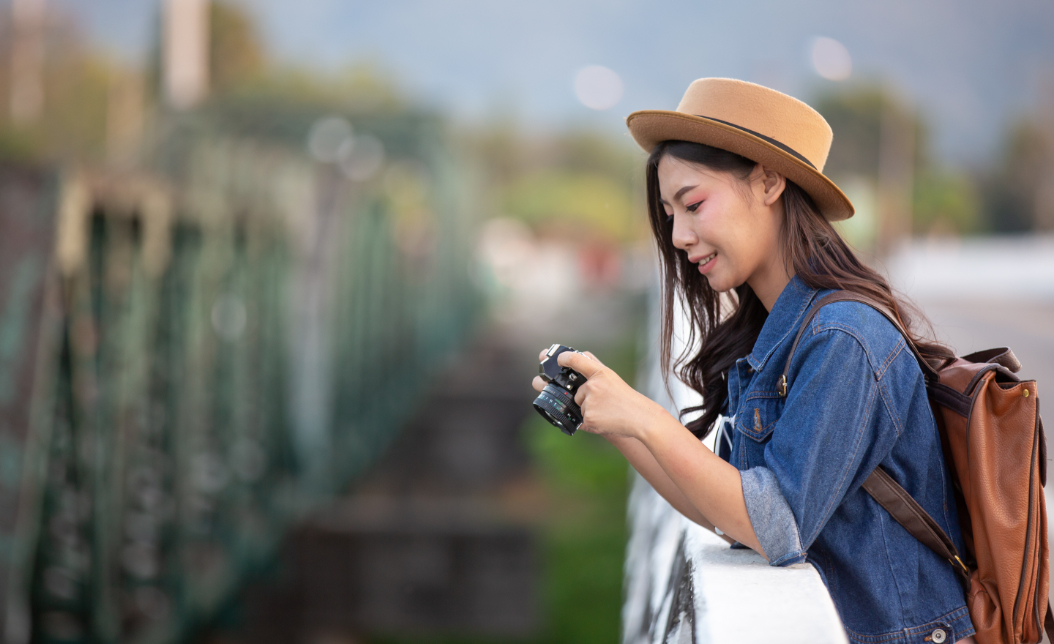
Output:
x=705 y=262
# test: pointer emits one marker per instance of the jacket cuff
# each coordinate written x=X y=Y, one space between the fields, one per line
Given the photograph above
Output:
x=771 y=516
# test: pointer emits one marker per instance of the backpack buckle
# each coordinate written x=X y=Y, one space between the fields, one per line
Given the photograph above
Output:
x=781 y=386
x=955 y=560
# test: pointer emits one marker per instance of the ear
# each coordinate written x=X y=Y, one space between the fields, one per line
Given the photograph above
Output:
x=770 y=183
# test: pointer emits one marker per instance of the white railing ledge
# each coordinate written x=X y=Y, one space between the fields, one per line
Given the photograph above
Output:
x=685 y=585
x=740 y=598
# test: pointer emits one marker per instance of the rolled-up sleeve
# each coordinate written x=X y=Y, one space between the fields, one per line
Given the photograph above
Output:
x=831 y=434
x=771 y=517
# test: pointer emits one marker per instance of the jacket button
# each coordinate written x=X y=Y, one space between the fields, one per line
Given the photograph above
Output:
x=938 y=636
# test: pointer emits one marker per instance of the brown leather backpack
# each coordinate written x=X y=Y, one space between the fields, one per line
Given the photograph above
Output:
x=994 y=446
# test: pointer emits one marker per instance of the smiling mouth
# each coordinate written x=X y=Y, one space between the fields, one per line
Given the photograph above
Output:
x=703 y=261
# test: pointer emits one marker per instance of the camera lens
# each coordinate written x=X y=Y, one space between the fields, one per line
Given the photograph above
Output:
x=558 y=406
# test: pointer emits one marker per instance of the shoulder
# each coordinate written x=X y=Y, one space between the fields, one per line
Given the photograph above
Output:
x=854 y=323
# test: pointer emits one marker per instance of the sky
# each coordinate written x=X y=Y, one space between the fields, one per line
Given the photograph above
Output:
x=970 y=67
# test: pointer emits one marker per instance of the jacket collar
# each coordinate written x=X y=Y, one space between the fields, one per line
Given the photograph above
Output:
x=783 y=320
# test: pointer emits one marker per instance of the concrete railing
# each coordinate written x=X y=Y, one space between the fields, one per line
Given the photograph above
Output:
x=684 y=584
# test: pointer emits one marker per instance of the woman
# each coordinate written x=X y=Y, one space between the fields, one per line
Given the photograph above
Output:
x=741 y=214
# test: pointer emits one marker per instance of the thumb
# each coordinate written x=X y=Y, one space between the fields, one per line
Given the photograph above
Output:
x=581 y=363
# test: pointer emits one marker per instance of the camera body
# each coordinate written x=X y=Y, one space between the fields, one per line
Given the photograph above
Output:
x=557 y=403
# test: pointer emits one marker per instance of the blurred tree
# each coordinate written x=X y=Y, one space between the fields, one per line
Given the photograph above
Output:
x=938 y=200
x=945 y=203
x=578 y=182
x=855 y=115
x=855 y=118
x=588 y=151
x=236 y=51
x=78 y=88
x=76 y=84
x=498 y=145
x=1013 y=189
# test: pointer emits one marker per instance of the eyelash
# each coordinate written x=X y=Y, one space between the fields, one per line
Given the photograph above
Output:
x=691 y=208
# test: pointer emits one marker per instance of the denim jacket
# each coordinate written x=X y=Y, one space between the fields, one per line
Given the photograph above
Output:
x=856 y=399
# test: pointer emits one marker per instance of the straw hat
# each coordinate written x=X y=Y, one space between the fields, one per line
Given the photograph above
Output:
x=756 y=122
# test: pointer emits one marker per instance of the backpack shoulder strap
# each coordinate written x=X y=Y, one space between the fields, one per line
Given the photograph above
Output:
x=844 y=296
x=908 y=513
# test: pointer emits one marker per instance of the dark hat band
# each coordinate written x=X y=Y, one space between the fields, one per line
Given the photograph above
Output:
x=767 y=139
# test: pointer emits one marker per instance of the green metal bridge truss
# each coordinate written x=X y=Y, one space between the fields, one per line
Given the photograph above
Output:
x=193 y=357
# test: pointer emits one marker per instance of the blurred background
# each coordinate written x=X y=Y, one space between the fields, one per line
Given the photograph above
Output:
x=274 y=277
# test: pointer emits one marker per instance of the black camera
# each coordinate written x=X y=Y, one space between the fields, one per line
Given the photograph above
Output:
x=557 y=403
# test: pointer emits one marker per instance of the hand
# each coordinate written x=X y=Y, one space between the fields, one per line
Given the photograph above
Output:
x=610 y=407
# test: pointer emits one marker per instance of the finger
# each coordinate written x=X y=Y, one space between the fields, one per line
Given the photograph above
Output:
x=580 y=363
x=541 y=356
x=580 y=397
x=538 y=383
x=590 y=354
x=586 y=427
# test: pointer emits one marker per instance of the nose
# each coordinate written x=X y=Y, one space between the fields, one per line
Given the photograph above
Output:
x=683 y=237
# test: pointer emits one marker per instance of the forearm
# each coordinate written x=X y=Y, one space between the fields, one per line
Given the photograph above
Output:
x=705 y=481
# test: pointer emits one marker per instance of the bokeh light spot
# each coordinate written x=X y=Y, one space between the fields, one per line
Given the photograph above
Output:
x=326 y=137
x=598 y=87
x=831 y=59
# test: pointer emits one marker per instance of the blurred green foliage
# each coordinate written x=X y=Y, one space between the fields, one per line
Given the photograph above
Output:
x=946 y=203
x=855 y=115
x=236 y=48
x=362 y=86
x=585 y=534
x=578 y=184
x=72 y=123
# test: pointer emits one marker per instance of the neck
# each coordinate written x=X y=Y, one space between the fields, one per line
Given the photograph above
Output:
x=769 y=284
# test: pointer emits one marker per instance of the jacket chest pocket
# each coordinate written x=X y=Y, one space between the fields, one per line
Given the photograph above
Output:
x=758 y=414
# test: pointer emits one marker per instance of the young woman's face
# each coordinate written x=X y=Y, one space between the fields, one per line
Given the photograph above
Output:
x=731 y=231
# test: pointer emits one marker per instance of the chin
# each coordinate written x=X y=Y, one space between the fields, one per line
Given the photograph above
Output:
x=718 y=284
x=723 y=284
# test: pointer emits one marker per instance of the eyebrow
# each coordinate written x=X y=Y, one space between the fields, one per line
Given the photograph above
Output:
x=678 y=194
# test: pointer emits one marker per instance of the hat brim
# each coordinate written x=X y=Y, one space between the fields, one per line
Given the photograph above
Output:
x=651 y=127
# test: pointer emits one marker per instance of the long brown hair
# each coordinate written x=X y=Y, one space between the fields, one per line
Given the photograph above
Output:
x=809 y=244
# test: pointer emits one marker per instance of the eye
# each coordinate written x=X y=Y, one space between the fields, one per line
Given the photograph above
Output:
x=669 y=219
x=694 y=206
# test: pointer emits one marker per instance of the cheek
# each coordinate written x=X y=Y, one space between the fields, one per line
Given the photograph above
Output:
x=743 y=239
x=758 y=242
